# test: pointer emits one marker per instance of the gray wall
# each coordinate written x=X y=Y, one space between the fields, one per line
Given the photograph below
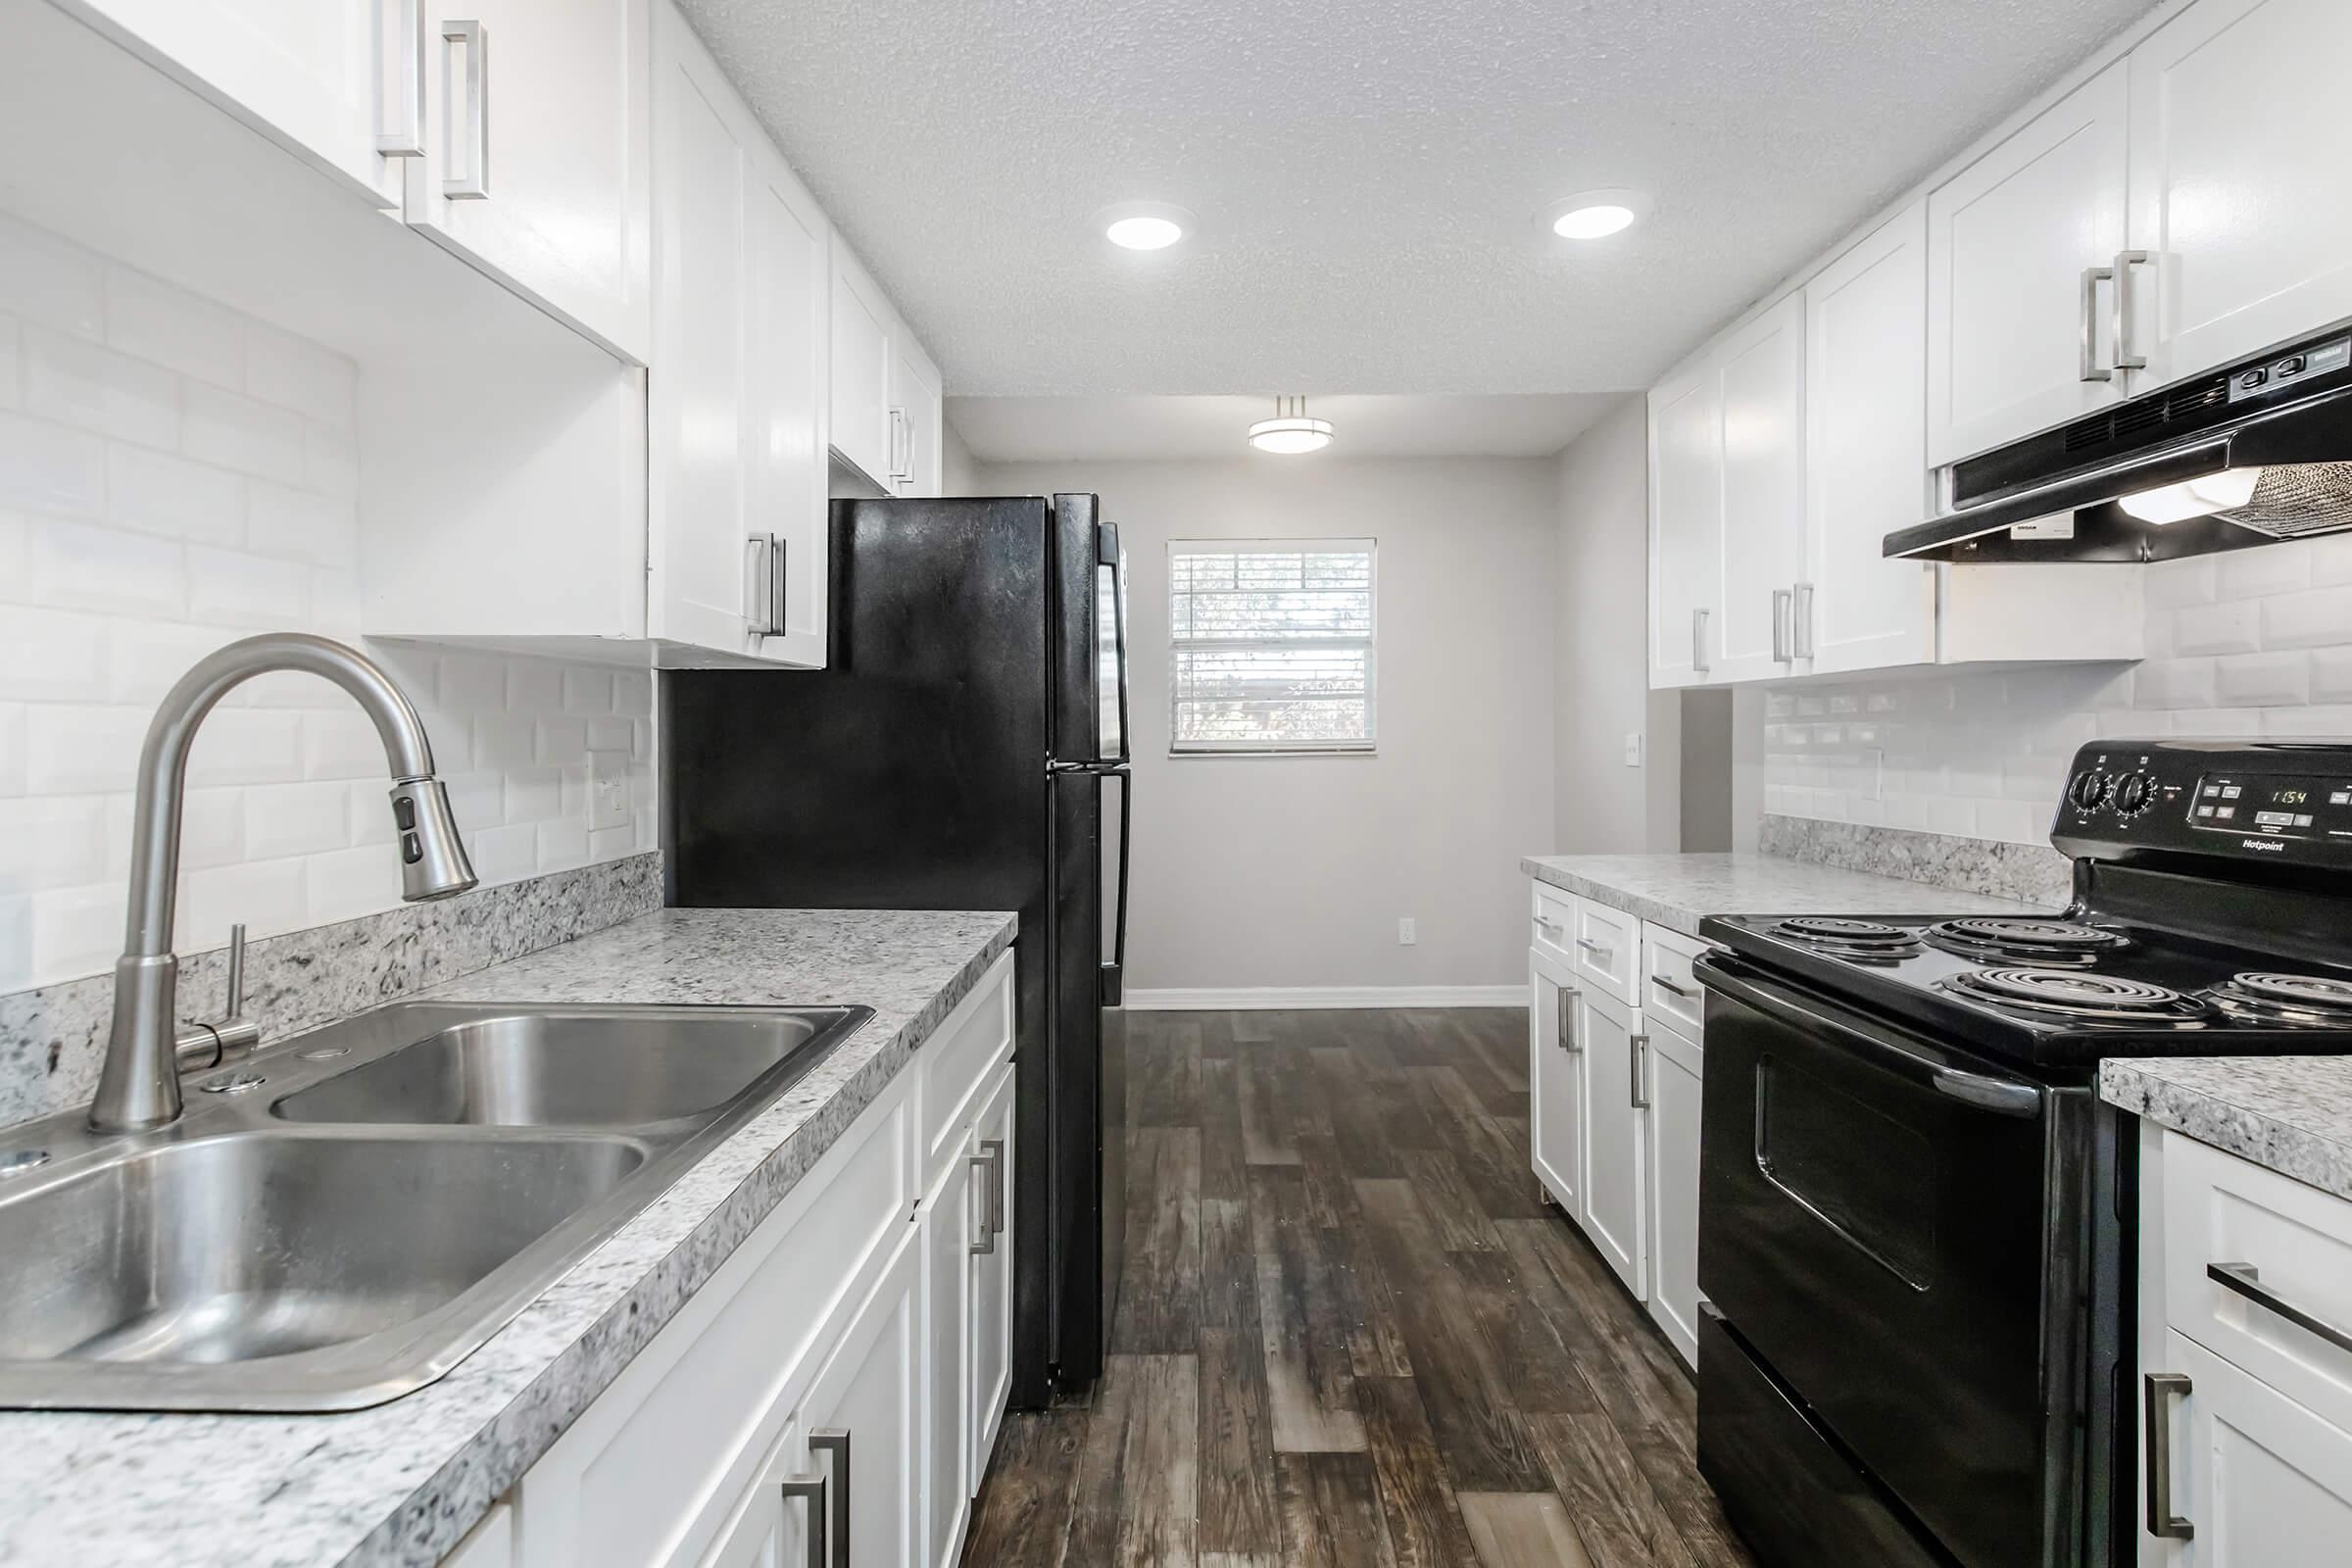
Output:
x=958 y=472
x=1292 y=872
x=1601 y=672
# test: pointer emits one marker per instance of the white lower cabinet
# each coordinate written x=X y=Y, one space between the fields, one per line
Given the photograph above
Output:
x=1557 y=1078
x=861 y=1424
x=2245 y=1300
x=992 y=1279
x=1616 y=1136
x=1672 y=1072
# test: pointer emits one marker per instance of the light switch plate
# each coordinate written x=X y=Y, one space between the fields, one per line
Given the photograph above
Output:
x=1407 y=934
x=608 y=789
x=1632 y=748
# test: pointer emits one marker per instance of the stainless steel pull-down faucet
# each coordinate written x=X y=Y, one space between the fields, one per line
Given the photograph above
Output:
x=138 y=1087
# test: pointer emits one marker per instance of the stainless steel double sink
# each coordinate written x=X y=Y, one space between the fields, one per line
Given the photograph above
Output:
x=341 y=1219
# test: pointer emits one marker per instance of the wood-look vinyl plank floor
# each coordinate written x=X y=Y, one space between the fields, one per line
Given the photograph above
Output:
x=1349 y=1336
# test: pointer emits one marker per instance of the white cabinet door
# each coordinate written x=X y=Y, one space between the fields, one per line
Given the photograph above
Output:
x=871 y=1388
x=1557 y=1075
x=1685 y=527
x=2018 y=334
x=951 y=1228
x=992 y=1279
x=863 y=431
x=1866 y=459
x=333 y=81
x=769 y=1529
x=538 y=154
x=2262 y=1482
x=1672 y=1070
x=737 y=455
x=2238 y=172
x=1763 y=368
x=915 y=418
x=1616 y=1138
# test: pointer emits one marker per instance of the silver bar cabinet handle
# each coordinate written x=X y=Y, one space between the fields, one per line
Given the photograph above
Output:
x=835 y=1441
x=815 y=1491
x=990 y=1163
x=1596 y=948
x=400 y=121
x=1802 y=615
x=756 y=550
x=474 y=184
x=1553 y=926
x=2087 y=364
x=1639 y=1045
x=1669 y=987
x=2125 y=359
x=1564 y=1026
x=1781 y=598
x=1699 y=642
x=2155 y=1387
x=2246 y=1280
x=777 y=562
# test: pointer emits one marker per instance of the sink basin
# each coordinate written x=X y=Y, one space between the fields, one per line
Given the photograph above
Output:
x=561 y=1069
x=341 y=1219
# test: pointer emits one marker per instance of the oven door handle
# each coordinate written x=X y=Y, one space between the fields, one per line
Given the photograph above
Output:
x=2003 y=1096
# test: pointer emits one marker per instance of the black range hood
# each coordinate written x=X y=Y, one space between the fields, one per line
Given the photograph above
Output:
x=2246 y=456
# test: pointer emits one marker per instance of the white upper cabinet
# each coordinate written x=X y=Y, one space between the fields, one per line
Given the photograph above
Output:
x=538 y=152
x=1763 y=371
x=337 y=83
x=1685 y=526
x=914 y=413
x=1866 y=467
x=737 y=499
x=2239 y=159
x=2022 y=247
x=864 y=431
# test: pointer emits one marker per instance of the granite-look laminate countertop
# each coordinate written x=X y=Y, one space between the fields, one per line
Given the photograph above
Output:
x=402 y=1483
x=2290 y=1114
x=1678 y=891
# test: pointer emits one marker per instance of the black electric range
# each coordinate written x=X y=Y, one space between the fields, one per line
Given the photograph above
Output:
x=1918 y=1223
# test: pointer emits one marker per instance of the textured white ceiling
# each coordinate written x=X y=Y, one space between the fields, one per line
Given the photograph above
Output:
x=1367 y=170
x=1045 y=430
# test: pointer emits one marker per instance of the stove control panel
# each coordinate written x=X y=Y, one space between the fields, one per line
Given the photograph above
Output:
x=2284 y=800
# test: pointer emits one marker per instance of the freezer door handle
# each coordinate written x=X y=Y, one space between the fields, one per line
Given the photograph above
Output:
x=1114 y=973
x=1108 y=554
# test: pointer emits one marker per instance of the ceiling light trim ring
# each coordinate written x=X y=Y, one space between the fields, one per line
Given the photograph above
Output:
x=1634 y=204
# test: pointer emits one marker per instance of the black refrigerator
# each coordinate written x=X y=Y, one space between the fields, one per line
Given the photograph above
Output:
x=960 y=750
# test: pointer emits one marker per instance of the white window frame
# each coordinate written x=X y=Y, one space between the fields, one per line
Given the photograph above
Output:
x=1369 y=643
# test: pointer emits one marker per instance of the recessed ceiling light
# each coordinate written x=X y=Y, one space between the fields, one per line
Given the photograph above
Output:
x=1595 y=214
x=1145 y=225
x=1290 y=433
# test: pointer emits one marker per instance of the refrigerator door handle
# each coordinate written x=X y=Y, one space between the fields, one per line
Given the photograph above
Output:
x=1109 y=555
x=1114 y=973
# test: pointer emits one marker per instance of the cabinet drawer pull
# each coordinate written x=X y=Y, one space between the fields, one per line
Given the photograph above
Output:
x=2125 y=359
x=777 y=562
x=2163 y=1523
x=1783 y=603
x=473 y=185
x=400 y=125
x=1564 y=1029
x=1800 y=615
x=1669 y=987
x=2087 y=365
x=1598 y=949
x=989 y=1164
x=835 y=1441
x=1699 y=642
x=814 y=1491
x=1639 y=1088
x=758 y=552
x=1552 y=926
x=2246 y=1280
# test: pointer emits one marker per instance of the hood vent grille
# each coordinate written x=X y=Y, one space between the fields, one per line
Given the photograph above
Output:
x=2297 y=499
x=2142 y=415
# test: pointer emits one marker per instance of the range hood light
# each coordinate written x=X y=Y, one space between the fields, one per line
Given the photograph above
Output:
x=2193 y=498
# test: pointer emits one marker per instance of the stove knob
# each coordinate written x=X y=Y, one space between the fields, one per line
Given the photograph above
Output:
x=2132 y=792
x=2088 y=791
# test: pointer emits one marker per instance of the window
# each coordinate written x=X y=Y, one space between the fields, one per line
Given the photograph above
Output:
x=1270 y=645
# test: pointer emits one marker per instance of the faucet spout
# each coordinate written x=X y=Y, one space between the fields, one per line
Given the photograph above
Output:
x=138 y=1086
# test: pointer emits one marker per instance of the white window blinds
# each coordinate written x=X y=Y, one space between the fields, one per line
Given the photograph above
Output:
x=1270 y=645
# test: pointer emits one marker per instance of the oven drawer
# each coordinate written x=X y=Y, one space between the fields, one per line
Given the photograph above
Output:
x=1669 y=990
x=1605 y=946
x=1555 y=923
x=2247 y=1253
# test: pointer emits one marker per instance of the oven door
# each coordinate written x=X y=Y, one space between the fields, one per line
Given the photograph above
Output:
x=1873 y=1228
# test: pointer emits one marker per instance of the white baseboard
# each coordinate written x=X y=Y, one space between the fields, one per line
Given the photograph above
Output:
x=1286 y=998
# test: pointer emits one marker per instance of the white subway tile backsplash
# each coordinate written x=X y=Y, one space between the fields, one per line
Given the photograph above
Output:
x=2332 y=559
x=2310 y=723
x=2230 y=627
x=2319 y=618
x=175 y=475
x=2263 y=680
x=2331 y=674
x=2175 y=683
x=2264 y=572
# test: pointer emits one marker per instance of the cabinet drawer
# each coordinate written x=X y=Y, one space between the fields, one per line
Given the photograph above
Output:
x=652 y=1470
x=1605 y=945
x=1670 y=991
x=2288 y=1247
x=956 y=1062
x=1555 y=921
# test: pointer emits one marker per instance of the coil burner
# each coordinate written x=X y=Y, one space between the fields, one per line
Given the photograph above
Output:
x=2073 y=995
x=1861 y=941
x=2041 y=941
x=2287 y=1000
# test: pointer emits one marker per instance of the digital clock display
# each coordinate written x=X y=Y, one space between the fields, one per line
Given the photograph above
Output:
x=2270 y=807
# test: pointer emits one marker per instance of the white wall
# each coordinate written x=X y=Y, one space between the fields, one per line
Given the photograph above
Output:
x=1601 y=668
x=1292 y=872
x=175 y=475
x=2257 y=642
x=959 y=471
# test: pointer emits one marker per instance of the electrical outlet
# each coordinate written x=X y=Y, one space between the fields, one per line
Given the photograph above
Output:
x=608 y=789
x=1406 y=936
x=1632 y=748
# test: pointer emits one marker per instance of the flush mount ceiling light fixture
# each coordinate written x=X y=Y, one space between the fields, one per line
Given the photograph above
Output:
x=1144 y=225
x=1290 y=433
x=1595 y=214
